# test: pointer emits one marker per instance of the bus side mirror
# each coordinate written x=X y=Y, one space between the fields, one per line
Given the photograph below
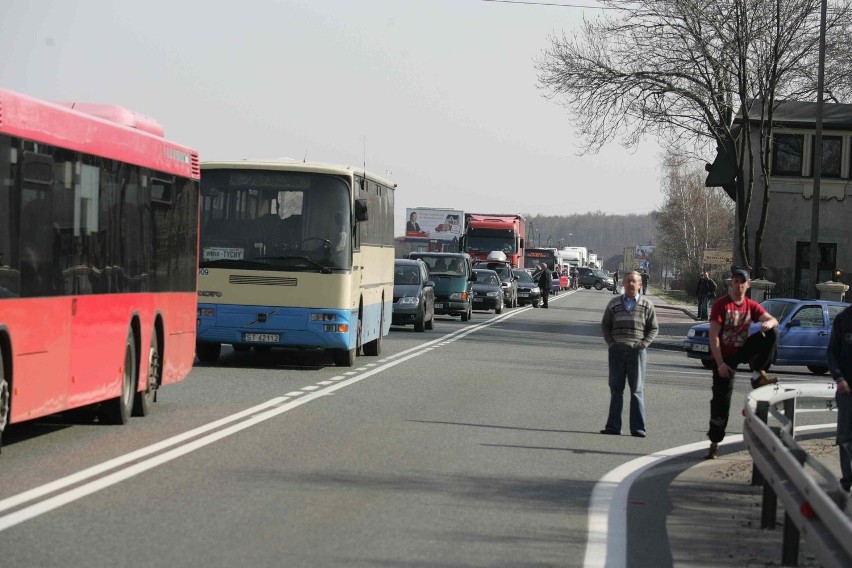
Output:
x=522 y=242
x=361 y=210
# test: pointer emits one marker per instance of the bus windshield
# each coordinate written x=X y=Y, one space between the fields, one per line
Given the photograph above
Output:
x=275 y=220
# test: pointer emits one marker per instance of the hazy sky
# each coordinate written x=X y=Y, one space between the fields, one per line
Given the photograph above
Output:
x=438 y=95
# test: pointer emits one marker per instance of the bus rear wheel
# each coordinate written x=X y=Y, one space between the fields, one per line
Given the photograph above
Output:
x=118 y=409
x=374 y=348
x=142 y=401
x=5 y=400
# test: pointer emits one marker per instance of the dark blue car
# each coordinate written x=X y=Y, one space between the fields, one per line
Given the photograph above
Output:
x=803 y=330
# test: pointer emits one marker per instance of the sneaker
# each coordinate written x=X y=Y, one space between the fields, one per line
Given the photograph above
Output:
x=713 y=452
x=760 y=379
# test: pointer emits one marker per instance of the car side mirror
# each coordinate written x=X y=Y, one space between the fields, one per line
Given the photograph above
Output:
x=794 y=323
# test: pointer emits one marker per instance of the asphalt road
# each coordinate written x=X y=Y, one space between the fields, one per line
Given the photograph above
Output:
x=475 y=444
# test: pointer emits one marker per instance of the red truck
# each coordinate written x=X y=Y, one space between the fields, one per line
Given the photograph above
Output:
x=486 y=232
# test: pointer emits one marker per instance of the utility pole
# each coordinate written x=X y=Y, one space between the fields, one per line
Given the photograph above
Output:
x=814 y=253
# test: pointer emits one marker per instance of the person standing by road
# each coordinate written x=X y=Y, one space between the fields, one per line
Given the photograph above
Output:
x=629 y=325
x=615 y=282
x=545 y=281
x=645 y=278
x=730 y=344
x=705 y=290
x=840 y=366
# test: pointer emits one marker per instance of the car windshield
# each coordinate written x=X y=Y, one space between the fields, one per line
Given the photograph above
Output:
x=406 y=274
x=502 y=270
x=777 y=308
x=444 y=266
x=487 y=278
x=523 y=276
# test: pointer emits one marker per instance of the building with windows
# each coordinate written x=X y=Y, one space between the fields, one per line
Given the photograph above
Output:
x=786 y=246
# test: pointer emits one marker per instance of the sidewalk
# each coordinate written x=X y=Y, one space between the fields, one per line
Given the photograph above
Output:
x=674 y=321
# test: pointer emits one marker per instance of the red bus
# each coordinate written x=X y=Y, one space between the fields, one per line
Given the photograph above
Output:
x=98 y=259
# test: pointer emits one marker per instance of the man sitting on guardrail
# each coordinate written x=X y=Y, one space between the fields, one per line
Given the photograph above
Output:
x=840 y=366
x=731 y=345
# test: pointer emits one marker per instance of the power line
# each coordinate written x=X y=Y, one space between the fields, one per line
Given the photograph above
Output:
x=552 y=4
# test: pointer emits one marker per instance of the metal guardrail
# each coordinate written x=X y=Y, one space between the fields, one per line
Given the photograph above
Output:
x=813 y=511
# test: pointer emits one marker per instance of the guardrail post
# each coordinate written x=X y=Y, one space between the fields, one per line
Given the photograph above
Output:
x=762 y=412
x=790 y=414
x=769 y=505
x=790 y=543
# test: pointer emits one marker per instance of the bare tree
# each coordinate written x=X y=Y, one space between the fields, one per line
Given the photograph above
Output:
x=683 y=69
x=692 y=218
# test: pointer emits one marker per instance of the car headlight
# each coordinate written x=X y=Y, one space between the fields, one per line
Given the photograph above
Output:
x=492 y=294
x=690 y=333
x=409 y=300
x=535 y=290
x=458 y=296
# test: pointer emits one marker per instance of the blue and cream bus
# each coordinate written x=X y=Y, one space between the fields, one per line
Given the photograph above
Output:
x=296 y=255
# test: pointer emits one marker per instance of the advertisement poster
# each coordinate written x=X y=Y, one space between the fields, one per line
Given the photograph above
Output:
x=441 y=224
x=643 y=252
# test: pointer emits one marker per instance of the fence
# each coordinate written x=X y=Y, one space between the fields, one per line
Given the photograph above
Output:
x=812 y=510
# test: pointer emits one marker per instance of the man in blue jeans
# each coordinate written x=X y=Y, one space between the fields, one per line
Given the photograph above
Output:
x=629 y=326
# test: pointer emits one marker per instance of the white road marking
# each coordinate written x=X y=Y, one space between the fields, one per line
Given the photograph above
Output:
x=132 y=465
x=606 y=543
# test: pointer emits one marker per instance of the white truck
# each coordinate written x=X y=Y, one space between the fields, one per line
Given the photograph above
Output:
x=574 y=256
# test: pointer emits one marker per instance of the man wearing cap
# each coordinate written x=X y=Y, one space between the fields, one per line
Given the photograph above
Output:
x=730 y=344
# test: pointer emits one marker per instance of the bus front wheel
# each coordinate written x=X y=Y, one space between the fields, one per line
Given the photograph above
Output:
x=208 y=352
x=344 y=357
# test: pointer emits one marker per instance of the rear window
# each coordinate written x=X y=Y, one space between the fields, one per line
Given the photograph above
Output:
x=833 y=311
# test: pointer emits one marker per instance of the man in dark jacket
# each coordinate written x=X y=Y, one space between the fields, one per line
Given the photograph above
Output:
x=705 y=291
x=545 y=281
x=840 y=366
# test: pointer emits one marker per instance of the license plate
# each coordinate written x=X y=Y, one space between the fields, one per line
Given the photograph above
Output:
x=702 y=348
x=263 y=337
x=479 y=299
x=439 y=306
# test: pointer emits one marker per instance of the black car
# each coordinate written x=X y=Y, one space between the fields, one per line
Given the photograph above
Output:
x=487 y=291
x=528 y=290
x=594 y=278
x=413 y=295
x=507 y=278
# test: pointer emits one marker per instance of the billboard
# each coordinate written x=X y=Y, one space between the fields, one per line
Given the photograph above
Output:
x=716 y=256
x=441 y=224
x=643 y=252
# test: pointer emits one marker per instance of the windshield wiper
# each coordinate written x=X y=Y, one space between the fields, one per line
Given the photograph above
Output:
x=323 y=268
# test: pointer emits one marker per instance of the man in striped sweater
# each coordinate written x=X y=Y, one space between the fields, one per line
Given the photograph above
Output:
x=629 y=326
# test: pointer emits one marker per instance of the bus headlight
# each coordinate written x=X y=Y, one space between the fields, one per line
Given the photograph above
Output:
x=336 y=327
x=323 y=317
x=206 y=312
